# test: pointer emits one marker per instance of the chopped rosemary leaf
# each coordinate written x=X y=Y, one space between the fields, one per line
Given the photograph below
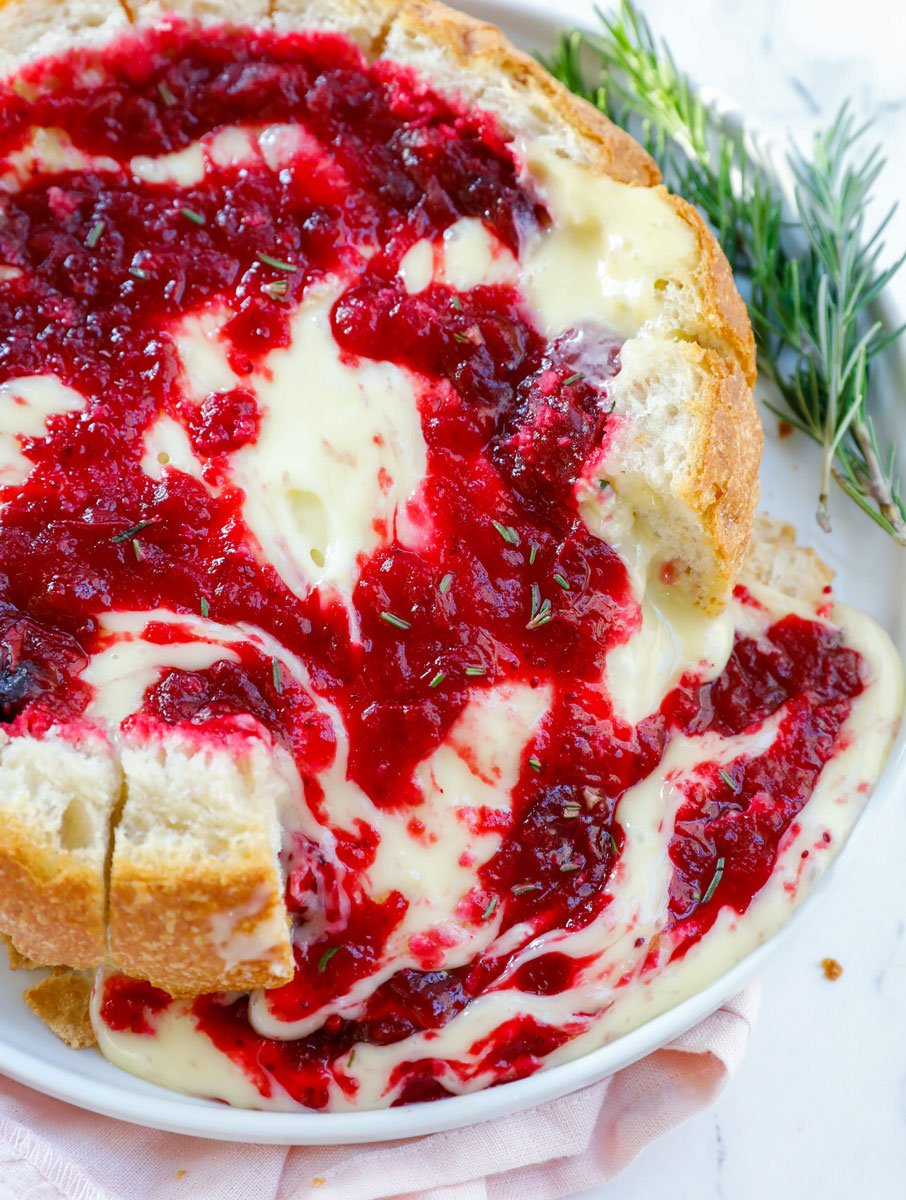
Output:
x=507 y=532
x=166 y=94
x=561 y=581
x=277 y=290
x=438 y=679
x=728 y=780
x=459 y=337
x=489 y=911
x=195 y=217
x=444 y=586
x=278 y=264
x=520 y=889
x=544 y=614
x=95 y=234
x=395 y=621
x=571 y=810
x=573 y=378
x=326 y=957
x=718 y=875
x=351 y=1059
x=603 y=484
x=139 y=273
x=128 y=534
x=277 y=676
x=536 y=598
x=533 y=554
x=613 y=844
x=535 y=763
x=476 y=670
x=568 y=867
x=205 y=607
x=137 y=550
x=456 y=302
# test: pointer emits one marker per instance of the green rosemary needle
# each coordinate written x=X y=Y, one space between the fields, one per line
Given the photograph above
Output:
x=326 y=957
x=712 y=886
x=397 y=622
x=278 y=264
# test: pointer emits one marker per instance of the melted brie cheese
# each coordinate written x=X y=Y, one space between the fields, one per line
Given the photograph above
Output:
x=339 y=452
x=25 y=408
x=613 y=255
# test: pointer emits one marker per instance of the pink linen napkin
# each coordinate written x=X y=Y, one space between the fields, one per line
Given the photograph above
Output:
x=52 y=1151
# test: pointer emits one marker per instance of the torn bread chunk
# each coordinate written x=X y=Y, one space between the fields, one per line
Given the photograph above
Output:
x=777 y=560
x=63 y=1002
x=683 y=413
x=58 y=796
x=196 y=890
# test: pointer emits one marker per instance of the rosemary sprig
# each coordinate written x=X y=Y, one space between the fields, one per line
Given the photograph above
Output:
x=715 y=880
x=326 y=957
x=397 y=622
x=811 y=267
x=196 y=218
x=95 y=234
x=128 y=534
x=278 y=264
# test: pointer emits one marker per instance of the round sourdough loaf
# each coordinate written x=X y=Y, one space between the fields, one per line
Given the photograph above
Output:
x=161 y=859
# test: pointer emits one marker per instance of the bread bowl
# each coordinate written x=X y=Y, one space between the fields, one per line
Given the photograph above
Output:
x=679 y=461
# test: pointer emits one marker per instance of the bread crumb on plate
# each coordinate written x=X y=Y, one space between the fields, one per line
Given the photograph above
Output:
x=62 y=1001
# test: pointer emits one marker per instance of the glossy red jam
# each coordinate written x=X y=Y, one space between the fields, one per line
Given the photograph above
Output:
x=512 y=587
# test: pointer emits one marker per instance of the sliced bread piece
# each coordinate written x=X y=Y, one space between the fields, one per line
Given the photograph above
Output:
x=196 y=893
x=777 y=560
x=57 y=800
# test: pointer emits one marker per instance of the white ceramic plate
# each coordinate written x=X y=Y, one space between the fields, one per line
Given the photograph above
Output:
x=871 y=574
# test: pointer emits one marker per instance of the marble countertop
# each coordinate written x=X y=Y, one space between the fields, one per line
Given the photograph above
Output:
x=819 y=1106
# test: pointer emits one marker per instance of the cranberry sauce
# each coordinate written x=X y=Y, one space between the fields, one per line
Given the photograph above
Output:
x=727 y=833
x=101 y=267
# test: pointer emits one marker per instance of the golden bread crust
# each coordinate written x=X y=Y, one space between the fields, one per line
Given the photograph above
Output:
x=727 y=433
x=51 y=904
x=478 y=46
x=161 y=929
x=15 y=960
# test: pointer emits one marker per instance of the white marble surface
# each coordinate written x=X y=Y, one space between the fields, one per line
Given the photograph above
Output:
x=819 y=1108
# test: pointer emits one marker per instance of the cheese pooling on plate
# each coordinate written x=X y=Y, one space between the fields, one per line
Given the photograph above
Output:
x=310 y=386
